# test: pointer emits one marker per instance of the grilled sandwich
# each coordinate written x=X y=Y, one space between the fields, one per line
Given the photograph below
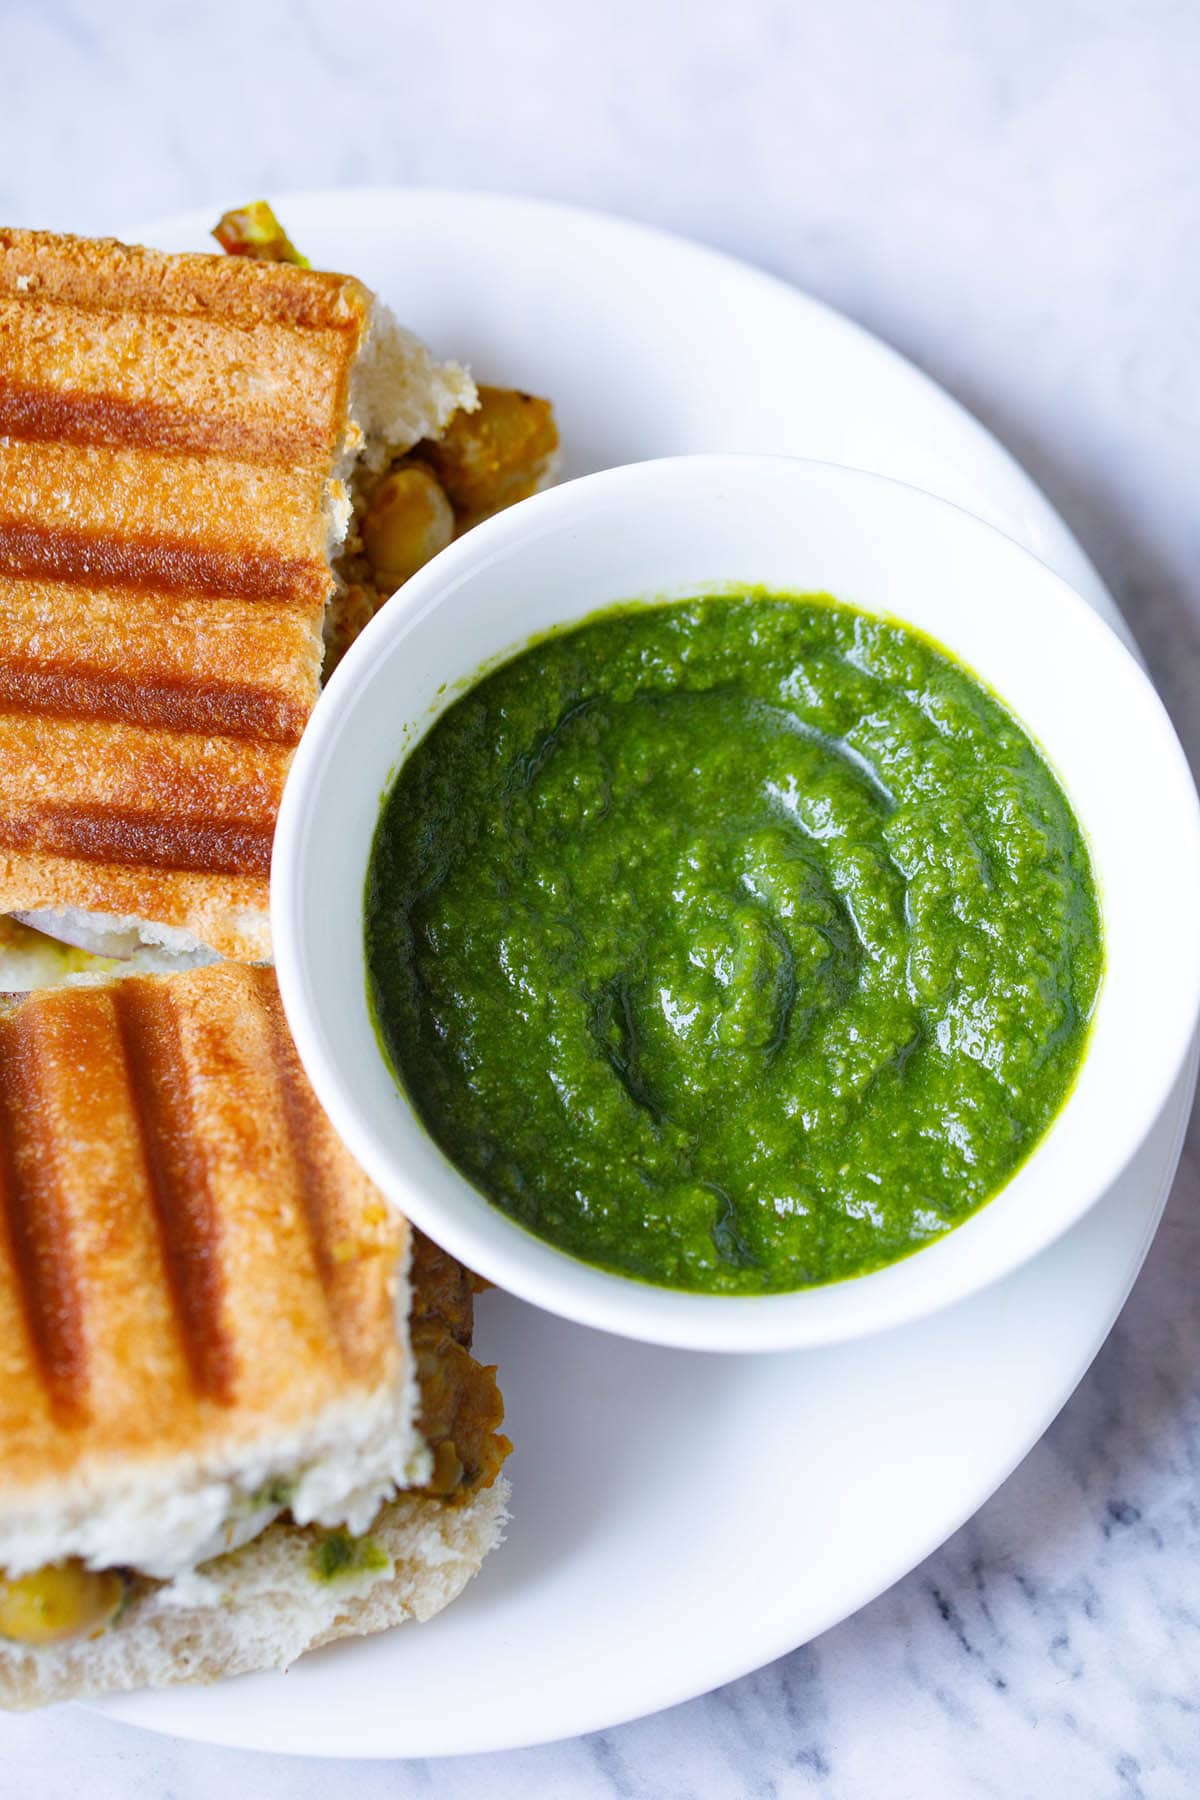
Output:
x=239 y=1416
x=177 y=439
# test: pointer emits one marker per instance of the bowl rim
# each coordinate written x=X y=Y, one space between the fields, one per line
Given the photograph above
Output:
x=498 y=1246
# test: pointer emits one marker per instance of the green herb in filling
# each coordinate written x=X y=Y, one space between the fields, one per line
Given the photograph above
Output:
x=337 y=1556
x=277 y=1492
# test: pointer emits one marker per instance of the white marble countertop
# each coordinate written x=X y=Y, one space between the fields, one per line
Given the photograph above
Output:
x=1010 y=195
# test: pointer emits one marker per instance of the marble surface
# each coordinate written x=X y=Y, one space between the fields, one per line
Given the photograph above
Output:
x=1009 y=194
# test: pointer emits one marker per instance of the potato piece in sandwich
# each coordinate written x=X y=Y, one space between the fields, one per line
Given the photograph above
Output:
x=239 y=1414
x=501 y=451
x=178 y=437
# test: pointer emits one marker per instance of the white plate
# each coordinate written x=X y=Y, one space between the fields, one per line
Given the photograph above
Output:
x=680 y=1519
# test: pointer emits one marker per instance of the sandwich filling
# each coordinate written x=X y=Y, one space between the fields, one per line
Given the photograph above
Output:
x=407 y=504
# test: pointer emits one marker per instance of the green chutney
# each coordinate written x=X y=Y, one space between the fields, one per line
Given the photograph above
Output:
x=737 y=944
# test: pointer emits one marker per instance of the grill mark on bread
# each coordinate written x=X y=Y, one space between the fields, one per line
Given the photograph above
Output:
x=45 y=415
x=306 y=1126
x=178 y=1179
x=104 y=559
x=214 y=708
x=116 y=835
x=33 y=1211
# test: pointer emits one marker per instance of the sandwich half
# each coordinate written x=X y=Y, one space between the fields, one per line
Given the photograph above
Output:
x=177 y=440
x=239 y=1416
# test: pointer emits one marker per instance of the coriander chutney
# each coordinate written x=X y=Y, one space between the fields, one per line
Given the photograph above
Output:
x=738 y=944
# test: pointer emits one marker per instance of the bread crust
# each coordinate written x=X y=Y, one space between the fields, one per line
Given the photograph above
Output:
x=103 y=273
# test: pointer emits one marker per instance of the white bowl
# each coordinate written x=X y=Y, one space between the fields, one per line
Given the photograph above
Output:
x=666 y=529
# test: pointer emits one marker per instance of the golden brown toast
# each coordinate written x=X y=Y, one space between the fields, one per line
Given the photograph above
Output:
x=190 y=1261
x=169 y=430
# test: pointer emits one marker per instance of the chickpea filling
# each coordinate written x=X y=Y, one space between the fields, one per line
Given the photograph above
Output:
x=60 y=1603
x=461 y=1408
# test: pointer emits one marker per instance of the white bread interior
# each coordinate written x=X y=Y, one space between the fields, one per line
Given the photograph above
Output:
x=262 y=1606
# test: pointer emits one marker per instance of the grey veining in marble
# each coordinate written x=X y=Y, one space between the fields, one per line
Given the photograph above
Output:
x=1010 y=195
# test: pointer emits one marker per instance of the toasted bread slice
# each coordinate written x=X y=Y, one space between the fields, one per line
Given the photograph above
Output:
x=175 y=437
x=199 y=1289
